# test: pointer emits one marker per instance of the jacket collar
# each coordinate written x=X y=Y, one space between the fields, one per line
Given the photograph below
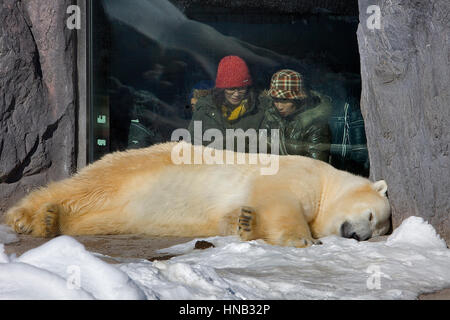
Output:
x=216 y=112
x=309 y=114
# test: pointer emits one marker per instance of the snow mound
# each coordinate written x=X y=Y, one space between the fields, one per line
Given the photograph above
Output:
x=416 y=231
x=413 y=260
x=20 y=281
x=66 y=267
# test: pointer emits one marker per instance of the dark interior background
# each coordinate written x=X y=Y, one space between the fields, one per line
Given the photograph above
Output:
x=136 y=68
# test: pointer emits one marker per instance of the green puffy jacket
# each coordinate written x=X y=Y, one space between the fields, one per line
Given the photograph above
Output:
x=211 y=118
x=305 y=132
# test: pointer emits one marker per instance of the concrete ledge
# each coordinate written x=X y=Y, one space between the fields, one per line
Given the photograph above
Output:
x=125 y=247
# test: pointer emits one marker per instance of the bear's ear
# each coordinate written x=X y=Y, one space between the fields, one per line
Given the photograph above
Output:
x=381 y=187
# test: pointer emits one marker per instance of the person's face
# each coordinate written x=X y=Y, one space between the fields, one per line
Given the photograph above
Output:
x=193 y=102
x=234 y=96
x=284 y=106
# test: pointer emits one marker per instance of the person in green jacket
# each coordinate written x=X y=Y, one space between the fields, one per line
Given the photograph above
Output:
x=231 y=104
x=300 y=114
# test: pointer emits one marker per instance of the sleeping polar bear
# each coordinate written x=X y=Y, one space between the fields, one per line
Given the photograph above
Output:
x=142 y=191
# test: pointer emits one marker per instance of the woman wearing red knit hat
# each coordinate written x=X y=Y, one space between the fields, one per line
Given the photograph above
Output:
x=232 y=104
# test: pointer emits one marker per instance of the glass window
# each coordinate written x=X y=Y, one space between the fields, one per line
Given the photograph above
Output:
x=146 y=57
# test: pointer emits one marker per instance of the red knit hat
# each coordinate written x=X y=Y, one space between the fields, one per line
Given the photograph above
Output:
x=233 y=72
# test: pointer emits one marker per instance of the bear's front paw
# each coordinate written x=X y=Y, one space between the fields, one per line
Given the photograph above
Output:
x=247 y=223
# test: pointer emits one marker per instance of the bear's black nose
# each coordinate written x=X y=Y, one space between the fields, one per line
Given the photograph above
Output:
x=355 y=236
x=346 y=230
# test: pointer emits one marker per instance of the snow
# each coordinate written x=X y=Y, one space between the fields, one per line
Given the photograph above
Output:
x=63 y=269
x=415 y=232
x=413 y=260
x=68 y=258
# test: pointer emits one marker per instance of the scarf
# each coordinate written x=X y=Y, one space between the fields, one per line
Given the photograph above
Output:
x=236 y=113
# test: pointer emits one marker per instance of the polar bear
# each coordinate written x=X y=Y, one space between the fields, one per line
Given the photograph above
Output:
x=142 y=191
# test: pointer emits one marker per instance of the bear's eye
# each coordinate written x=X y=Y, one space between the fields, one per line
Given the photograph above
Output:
x=371 y=216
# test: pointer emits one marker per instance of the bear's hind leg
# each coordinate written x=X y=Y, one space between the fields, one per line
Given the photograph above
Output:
x=20 y=220
x=42 y=222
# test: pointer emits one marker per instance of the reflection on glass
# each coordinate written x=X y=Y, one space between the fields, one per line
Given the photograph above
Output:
x=150 y=57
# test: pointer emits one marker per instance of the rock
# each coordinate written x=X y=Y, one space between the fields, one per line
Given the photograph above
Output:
x=161 y=258
x=405 y=104
x=201 y=244
x=37 y=104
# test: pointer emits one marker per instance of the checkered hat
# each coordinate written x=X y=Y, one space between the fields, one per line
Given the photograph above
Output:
x=287 y=84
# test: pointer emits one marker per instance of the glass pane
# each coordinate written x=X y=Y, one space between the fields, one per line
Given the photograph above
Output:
x=148 y=56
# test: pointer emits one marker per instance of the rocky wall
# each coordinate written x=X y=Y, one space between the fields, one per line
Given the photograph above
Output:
x=37 y=96
x=405 y=103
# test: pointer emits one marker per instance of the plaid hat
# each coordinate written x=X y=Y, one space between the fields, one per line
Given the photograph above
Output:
x=287 y=84
x=233 y=72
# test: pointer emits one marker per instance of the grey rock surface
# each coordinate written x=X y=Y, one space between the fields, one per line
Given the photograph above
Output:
x=37 y=101
x=405 y=103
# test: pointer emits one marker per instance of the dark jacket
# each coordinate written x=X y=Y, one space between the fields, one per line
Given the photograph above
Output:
x=211 y=117
x=142 y=131
x=306 y=131
x=349 y=143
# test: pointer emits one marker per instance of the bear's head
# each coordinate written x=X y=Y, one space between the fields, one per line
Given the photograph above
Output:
x=360 y=213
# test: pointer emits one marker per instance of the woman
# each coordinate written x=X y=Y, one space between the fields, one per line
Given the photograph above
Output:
x=231 y=104
x=301 y=116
